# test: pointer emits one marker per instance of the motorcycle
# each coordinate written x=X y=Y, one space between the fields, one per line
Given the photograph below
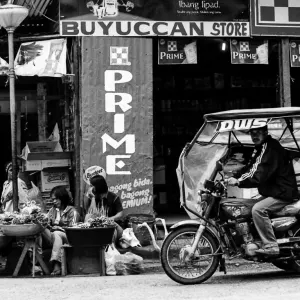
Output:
x=221 y=225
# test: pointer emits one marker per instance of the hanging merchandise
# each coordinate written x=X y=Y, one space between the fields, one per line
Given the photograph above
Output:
x=295 y=53
x=173 y=52
x=3 y=67
x=249 y=52
x=54 y=136
x=42 y=58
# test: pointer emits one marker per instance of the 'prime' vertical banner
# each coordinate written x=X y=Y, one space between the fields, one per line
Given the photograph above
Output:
x=117 y=116
x=295 y=53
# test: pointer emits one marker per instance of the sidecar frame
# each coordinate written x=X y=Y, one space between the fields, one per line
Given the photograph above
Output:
x=235 y=118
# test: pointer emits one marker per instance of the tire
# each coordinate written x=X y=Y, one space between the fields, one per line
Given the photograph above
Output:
x=207 y=243
x=290 y=265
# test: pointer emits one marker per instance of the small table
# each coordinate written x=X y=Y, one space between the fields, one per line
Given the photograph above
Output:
x=74 y=259
x=30 y=242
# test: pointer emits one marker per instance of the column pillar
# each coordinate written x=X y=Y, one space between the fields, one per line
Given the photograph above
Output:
x=284 y=73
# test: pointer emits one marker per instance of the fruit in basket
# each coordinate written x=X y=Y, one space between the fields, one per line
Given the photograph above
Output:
x=35 y=217
x=96 y=222
x=42 y=219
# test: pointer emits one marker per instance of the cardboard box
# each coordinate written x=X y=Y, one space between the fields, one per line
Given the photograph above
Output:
x=44 y=150
x=37 y=156
x=32 y=165
x=235 y=192
x=54 y=177
x=55 y=163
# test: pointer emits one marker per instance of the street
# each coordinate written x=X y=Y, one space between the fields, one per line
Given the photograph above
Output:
x=240 y=283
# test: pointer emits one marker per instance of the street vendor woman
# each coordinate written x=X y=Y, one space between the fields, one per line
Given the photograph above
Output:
x=7 y=191
x=62 y=214
x=101 y=202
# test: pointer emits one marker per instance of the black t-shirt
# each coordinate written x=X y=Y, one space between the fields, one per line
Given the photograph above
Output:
x=114 y=204
x=111 y=202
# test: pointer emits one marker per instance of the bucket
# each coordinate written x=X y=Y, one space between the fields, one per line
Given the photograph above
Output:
x=142 y=233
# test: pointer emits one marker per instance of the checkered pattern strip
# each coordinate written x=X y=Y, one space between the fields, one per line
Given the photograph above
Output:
x=244 y=46
x=119 y=56
x=172 y=46
x=279 y=11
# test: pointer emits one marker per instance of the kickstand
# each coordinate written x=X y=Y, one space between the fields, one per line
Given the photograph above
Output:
x=222 y=267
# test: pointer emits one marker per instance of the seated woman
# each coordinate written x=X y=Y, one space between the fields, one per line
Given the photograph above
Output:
x=102 y=202
x=62 y=214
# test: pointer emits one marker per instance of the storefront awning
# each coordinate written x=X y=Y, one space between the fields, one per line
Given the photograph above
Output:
x=36 y=8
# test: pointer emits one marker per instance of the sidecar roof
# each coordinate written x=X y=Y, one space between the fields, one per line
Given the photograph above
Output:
x=238 y=114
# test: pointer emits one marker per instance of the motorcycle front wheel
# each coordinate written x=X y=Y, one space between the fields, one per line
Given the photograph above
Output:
x=189 y=271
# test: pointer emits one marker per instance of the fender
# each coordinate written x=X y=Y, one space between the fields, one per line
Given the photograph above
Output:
x=208 y=228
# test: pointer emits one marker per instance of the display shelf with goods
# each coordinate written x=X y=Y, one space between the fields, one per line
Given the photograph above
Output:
x=248 y=92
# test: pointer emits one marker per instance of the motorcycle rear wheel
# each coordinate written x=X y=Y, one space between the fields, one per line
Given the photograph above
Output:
x=290 y=265
x=189 y=272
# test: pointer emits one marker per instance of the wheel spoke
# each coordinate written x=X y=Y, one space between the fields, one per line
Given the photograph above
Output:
x=189 y=268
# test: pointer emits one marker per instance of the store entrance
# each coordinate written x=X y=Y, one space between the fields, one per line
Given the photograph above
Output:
x=184 y=93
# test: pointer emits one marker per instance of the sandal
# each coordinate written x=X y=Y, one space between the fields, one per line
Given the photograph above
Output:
x=56 y=269
x=56 y=272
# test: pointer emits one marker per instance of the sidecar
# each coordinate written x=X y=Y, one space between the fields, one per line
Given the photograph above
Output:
x=225 y=137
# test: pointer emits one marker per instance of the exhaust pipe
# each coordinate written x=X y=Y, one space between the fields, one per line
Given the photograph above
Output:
x=288 y=240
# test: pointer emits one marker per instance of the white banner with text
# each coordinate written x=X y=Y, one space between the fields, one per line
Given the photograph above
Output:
x=154 y=28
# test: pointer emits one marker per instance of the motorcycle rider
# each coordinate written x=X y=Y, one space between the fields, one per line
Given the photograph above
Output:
x=271 y=172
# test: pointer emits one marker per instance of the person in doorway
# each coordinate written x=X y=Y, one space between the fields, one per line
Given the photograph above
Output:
x=272 y=172
x=7 y=192
x=101 y=201
x=61 y=215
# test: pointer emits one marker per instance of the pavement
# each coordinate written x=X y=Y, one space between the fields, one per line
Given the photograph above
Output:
x=152 y=264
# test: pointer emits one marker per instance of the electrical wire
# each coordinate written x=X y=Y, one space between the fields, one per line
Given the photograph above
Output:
x=40 y=13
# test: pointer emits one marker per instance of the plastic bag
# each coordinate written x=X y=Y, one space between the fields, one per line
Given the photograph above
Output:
x=128 y=239
x=35 y=195
x=129 y=263
x=110 y=256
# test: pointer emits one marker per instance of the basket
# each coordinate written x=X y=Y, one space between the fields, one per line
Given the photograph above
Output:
x=90 y=237
x=142 y=233
x=21 y=229
x=4 y=240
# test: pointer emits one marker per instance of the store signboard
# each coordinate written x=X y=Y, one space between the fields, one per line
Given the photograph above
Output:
x=157 y=10
x=249 y=52
x=174 y=52
x=275 y=17
x=153 y=28
x=295 y=53
x=224 y=18
x=117 y=116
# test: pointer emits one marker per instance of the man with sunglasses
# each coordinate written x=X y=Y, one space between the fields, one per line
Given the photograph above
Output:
x=271 y=172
